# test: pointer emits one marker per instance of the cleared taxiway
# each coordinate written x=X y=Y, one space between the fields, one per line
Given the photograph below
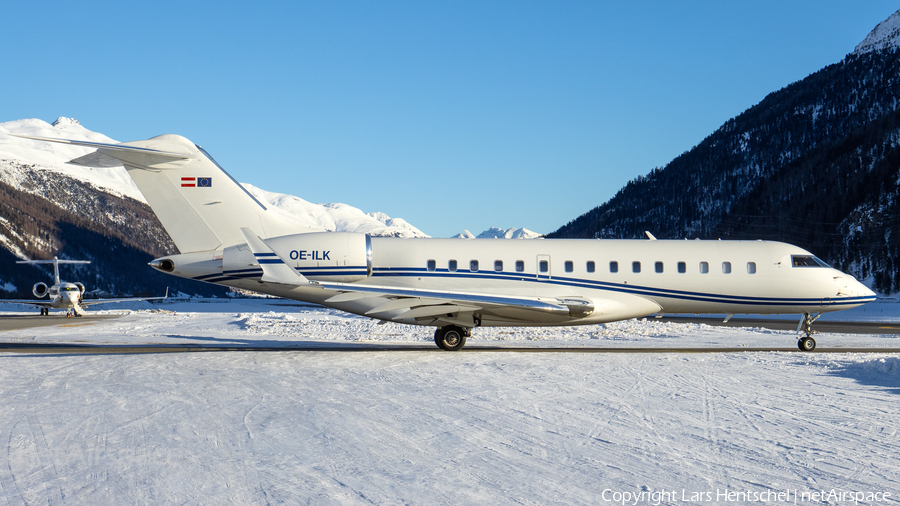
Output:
x=17 y=322
x=69 y=349
x=781 y=324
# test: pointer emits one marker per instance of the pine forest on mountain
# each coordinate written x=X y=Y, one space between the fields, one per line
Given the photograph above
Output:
x=814 y=164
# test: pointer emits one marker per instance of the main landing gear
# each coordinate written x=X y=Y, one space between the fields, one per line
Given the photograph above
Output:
x=807 y=343
x=451 y=338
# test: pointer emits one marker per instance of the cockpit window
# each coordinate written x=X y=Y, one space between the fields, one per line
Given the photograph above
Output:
x=807 y=261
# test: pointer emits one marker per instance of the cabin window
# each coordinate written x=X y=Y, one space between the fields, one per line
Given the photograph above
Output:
x=635 y=267
x=726 y=267
x=704 y=267
x=751 y=267
x=806 y=261
x=451 y=266
x=473 y=265
x=658 y=266
x=682 y=267
x=431 y=265
x=498 y=265
x=614 y=266
x=569 y=266
x=520 y=266
x=590 y=266
x=544 y=266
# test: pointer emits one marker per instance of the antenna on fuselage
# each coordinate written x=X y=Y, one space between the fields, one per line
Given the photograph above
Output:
x=55 y=262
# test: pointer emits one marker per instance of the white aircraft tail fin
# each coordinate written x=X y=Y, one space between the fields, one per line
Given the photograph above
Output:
x=55 y=263
x=199 y=204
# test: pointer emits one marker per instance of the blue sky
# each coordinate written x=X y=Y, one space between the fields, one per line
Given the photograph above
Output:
x=456 y=115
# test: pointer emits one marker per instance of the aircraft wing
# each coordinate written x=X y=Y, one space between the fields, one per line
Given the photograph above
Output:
x=92 y=302
x=435 y=306
x=30 y=302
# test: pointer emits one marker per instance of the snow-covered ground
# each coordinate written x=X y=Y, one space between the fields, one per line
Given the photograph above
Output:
x=415 y=425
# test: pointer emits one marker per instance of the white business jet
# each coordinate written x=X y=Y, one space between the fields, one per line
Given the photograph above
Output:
x=64 y=295
x=227 y=237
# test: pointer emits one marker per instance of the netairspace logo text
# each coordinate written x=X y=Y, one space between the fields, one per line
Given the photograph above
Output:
x=719 y=496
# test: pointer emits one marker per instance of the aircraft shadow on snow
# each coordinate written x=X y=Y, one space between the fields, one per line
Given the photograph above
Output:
x=881 y=373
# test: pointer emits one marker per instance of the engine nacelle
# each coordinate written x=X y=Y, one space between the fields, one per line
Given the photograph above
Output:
x=326 y=256
x=80 y=287
x=40 y=290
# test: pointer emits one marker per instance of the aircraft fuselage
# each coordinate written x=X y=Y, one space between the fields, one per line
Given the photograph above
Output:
x=620 y=278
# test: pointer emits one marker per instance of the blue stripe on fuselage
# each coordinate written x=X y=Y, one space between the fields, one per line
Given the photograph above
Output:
x=647 y=291
x=617 y=287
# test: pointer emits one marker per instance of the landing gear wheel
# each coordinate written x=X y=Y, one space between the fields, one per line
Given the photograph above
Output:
x=450 y=338
x=806 y=344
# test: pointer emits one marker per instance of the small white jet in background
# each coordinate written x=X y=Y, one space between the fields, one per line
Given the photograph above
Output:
x=65 y=295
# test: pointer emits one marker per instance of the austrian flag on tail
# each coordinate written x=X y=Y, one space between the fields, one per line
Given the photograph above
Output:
x=196 y=182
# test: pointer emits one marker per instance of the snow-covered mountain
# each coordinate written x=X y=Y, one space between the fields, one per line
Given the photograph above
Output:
x=814 y=164
x=500 y=233
x=19 y=157
x=45 y=156
x=885 y=36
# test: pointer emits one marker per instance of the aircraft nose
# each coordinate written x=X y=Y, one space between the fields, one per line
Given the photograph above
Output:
x=866 y=292
x=853 y=288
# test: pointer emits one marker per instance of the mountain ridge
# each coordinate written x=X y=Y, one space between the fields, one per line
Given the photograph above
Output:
x=885 y=36
x=812 y=164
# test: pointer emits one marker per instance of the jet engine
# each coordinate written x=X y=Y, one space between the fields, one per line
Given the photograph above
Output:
x=39 y=290
x=328 y=256
x=80 y=287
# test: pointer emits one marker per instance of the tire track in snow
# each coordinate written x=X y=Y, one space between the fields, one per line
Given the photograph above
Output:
x=8 y=482
x=50 y=476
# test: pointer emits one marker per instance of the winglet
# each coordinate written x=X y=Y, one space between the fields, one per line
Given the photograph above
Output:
x=275 y=269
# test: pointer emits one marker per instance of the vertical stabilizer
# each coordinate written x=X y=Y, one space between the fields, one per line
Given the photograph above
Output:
x=199 y=204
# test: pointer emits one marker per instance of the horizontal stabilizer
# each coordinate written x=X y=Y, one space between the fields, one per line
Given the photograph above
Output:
x=54 y=261
x=111 y=147
x=96 y=159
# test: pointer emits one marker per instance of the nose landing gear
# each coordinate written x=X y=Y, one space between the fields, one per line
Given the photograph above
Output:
x=807 y=343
